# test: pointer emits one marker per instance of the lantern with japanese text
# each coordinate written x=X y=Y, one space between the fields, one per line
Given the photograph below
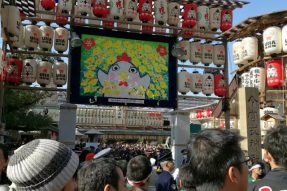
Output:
x=78 y=13
x=209 y=112
x=173 y=13
x=226 y=18
x=160 y=10
x=195 y=52
x=60 y=19
x=65 y=5
x=274 y=71
x=18 y=42
x=214 y=18
x=284 y=38
x=218 y=55
x=202 y=17
x=199 y=114
x=14 y=70
x=148 y=28
x=130 y=9
x=145 y=10
x=245 y=79
x=108 y=24
x=207 y=54
x=219 y=85
x=100 y=8
x=184 y=82
x=61 y=39
x=208 y=84
x=84 y=7
x=59 y=73
x=196 y=82
x=117 y=9
x=32 y=36
x=44 y=72
x=29 y=73
x=189 y=15
x=237 y=51
x=272 y=40
x=136 y=27
x=46 y=38
x=185 y=46
x=48 y=4
x=10 y=20
x=258 y=77
x=250 y=48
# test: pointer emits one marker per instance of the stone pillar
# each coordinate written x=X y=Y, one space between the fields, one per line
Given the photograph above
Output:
x=180 y=134
x=67 y=124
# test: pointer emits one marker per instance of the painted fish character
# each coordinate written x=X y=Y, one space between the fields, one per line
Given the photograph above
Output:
x=123 y=80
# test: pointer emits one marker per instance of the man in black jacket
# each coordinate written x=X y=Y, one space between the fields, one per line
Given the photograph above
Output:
x=275 y=153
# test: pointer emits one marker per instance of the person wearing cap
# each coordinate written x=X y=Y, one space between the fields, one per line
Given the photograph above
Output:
x=275 y=147
x=255 y=172
x=166 y=181
x=43 y=165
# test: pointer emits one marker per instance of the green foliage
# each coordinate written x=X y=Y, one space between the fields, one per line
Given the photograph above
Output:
x=17 y=114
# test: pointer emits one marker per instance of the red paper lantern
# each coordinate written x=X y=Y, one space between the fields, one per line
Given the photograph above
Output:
x=226 y=19
x=189 y=15
x=219 y=85
x=100 y=8
x=14 y=70
x=145 y=10
x=147 y=28
x=274 y=71
x=209 y=112
x=62 y=20
x=48 y=4
x=199 y=114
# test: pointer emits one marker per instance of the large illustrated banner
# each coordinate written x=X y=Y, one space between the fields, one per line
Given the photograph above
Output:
x=112 y=69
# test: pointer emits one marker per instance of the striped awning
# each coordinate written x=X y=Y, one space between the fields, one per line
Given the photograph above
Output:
x=25 y=6
x=219 y=3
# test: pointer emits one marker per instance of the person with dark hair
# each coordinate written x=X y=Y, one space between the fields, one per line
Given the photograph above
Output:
x=3 y=165
x=185 y=178
x=123 y=165
x=101 y=175
x=139 y=171
x=275 y=153
x=217 y=161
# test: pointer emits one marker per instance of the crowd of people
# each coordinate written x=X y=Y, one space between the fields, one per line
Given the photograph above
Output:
x=215 y=163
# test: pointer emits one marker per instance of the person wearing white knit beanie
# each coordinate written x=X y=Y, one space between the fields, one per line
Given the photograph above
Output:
x=43 y=165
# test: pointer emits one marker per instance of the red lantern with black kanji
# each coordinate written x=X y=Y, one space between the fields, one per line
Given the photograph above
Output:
x=274 y=71
x=226 y=19
x=189 y=15
x=145 y=10
x=14 y=70
x=48 y=4
x=219 y=85
x=100 y=8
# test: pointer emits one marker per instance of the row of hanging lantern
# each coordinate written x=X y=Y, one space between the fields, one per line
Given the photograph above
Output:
x=274 y=42
x=201 y=113
x=257 y=77
x=206 y=83
x=162 y=11
x=45 y=37
x=31 y=70
x=206 y=53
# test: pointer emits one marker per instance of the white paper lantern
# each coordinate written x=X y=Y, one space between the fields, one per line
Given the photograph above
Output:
x=77 y=12
x=136 y=27
x=32 y=36
x=130 y=9
x=46 y=37
x=61 y=39
x=29 y=72
x=258 y=78
x=11 y=20
x=173 y=13
x=208 y=84
x=195 y=52
x=160 y=10
x=84 y=7
x=196 y=82
x=272 y=40
x=245 y=79
x=237 y=52
x=65 y=5
x=219 y=55
x=184 y=82
x=203 y=17
x=60 y=73
x=250 y=48
x=185 y=45
x=117 y=9
x=44 y=71
x=19 y=42
x=284 y=38
x=214 y=18
x=207 y=54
